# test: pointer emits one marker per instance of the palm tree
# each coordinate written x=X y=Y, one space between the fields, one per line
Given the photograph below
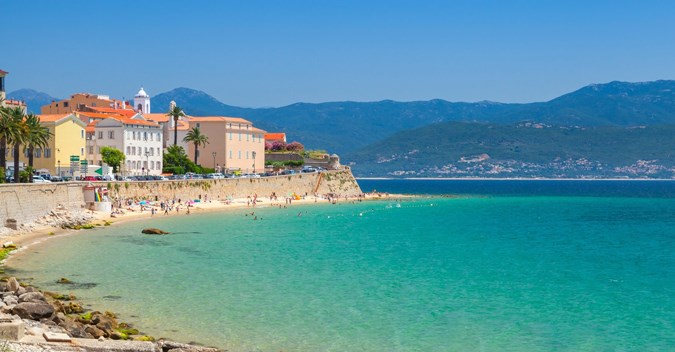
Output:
x=175 y=113
x=196 y=137
x=17 y=135
x=37 y=136
x=4 y=132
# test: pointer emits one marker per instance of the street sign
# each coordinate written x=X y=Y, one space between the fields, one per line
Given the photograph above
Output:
x=74 y=158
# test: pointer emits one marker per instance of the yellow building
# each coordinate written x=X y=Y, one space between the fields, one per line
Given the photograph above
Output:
x=67 y=139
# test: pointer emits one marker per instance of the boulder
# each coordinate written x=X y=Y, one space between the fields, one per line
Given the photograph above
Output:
x=154 y=231
x=94 y=331
x=33 y=310
x=75 y=329
x=12 y=284
x=11 y=299
x=31 y=297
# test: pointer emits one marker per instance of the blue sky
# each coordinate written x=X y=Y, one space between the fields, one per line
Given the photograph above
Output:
x=274 y=53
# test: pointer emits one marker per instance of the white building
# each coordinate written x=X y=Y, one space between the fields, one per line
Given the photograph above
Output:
x=142 y=102
x=139 y=139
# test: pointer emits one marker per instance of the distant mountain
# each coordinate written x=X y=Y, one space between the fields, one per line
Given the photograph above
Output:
x=462 y=149
x=34 y=99
x=195 y=103
x=343 y=127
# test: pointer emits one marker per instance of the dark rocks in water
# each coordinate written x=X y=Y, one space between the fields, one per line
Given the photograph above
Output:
x=94 y=331
x=154 y=231
x=63 y=280
x=112 y=298
x=33 y=310
x=167 y=346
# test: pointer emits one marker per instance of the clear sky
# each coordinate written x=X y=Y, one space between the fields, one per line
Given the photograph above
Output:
x=273 y=53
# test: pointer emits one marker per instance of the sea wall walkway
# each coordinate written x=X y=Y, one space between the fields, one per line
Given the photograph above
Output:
x=27 y=202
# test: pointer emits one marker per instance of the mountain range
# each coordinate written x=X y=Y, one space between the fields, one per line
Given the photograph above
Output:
x=355 y=129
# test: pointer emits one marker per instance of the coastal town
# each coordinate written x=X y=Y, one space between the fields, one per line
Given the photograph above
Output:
x=72 y=133
x=91 y=160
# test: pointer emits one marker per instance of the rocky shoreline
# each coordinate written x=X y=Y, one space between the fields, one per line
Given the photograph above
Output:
x=32 y=320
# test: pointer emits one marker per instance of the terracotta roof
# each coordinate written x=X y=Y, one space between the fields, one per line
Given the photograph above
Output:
x=4 y=72
x=99 y=115
x=182 y=126
x=15 y=102
x=52 y=117
x=217 y=119
x=275 y=136
x=157 y=117
x=129 y=121
x=91 y=127
x=254 y=129
x=124 y=112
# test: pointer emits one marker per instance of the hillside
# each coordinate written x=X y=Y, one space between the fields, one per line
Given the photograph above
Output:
x=33 y=98
x=343 y=127
x=459 y=149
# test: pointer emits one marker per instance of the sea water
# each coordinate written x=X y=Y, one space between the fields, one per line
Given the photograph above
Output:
x=494 y=271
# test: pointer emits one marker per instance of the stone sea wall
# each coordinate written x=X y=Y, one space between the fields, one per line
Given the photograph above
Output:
x=340 y=182
x=27 y=203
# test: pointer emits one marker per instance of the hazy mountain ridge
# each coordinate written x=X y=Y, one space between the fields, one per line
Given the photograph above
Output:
x=34 y=99
x=464 y=149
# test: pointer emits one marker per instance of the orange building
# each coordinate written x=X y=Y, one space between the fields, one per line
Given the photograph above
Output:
x=79 y=101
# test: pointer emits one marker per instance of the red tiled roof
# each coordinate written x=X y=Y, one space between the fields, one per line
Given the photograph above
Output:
x=4 y=72
x=217 y=119
x=275 y=136
x=52 y=117
x=91 y=127
x=99 y=115
x=124 y=112
x=157 y=117
x=129 y=121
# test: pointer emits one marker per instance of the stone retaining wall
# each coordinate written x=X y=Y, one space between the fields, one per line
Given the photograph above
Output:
x=27 y=202
x=340 y=182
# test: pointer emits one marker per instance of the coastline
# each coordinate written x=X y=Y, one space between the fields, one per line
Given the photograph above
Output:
x=38 y=235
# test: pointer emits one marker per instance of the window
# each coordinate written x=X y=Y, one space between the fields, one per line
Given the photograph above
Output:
x=98 y=150
x=48 y=153
x=247 y=137
x=158 y=152
x=145 y=136
x=159 y=165
x=240 y=154
x=159 y=137
x=100 y=134
x=82 y=134
x=128 y=135
x=65 y=104
x=230 y=135
x=111 y=134
x=152 y=136
x=82 y=151
x=230 y=154
x=91 y=150
x=128 y=150
x=198 y=126
x=239 y=136
x=38 y=152
x=197 y=152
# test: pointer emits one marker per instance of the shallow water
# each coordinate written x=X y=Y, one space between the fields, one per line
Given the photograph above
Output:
x=507 y=273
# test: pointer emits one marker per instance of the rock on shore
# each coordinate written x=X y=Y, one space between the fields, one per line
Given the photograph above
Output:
x=55 y=313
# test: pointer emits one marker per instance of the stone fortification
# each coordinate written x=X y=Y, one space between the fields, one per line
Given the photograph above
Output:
x=339 y=183
x=27 y=203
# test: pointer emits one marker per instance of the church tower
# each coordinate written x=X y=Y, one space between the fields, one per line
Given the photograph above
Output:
x=142 y=102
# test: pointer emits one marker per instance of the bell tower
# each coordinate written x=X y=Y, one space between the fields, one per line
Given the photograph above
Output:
x=142 y=102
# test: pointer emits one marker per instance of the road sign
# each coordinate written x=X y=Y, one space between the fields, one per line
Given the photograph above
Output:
x=74 y=158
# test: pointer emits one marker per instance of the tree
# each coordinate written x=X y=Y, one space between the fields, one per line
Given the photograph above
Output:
x=175 y=113
x=196 y=137
x=268 y=146
x=37 y=136
x=278 y=146
x=295 y=147
x=113 y=157
x=5 y=130
x=18 y=134
x=177 y=162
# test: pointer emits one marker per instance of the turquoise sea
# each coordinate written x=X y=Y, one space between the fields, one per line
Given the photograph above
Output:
x=525 y=266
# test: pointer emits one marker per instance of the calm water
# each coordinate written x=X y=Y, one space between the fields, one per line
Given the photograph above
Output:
x=523 y=272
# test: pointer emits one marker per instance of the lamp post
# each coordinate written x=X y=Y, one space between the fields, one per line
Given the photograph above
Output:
x=254 y=162
x=147 y=163
x=59 y=167
x=214 y=161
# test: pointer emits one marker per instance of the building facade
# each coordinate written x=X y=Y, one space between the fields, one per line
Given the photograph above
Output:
x=139 y=139
x=79 y=101
x=67 y=139
x=3 y=96
x=142 y=102
x=234 y=144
